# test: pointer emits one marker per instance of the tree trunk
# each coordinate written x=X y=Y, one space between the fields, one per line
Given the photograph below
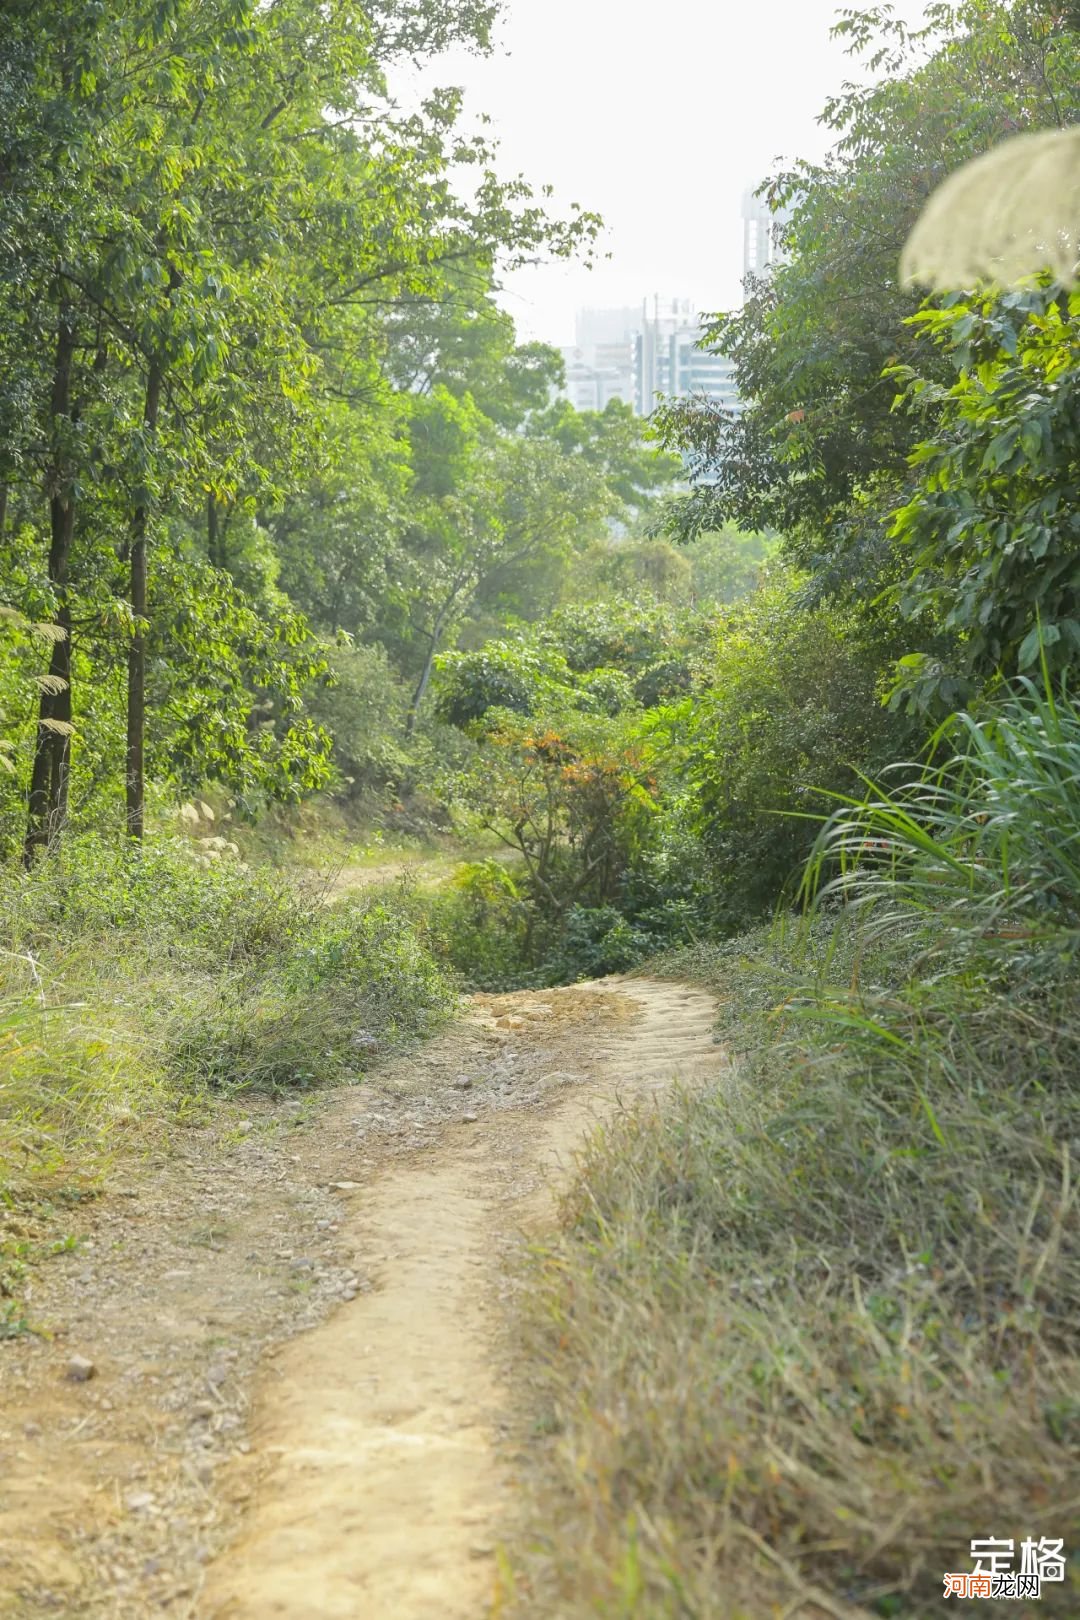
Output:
x=48 y=796
x=48 y=801
x=136 y=704
x=216 y=528
x=434 y=642
x=60 y=667
x=422 y=684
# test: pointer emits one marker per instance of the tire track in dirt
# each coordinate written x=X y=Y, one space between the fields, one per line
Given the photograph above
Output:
x=376 y=1483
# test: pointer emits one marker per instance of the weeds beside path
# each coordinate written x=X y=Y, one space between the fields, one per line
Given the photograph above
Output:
x=800 y=1342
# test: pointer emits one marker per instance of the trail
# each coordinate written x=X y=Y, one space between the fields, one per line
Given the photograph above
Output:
x=431 y=868
x=363 y=1475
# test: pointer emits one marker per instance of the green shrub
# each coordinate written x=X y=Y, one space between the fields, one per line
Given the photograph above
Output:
x=808 y=1334
x=98 y=890
x=976 y=856
x=614 y=633
x=69 y=1071
x=606 y=691
x=483 y=927
x=364 y=710
x=592 y=941
x=605 y=657
x=789 y=712
x=517 y=676
x=354 y=978
x=727 y=565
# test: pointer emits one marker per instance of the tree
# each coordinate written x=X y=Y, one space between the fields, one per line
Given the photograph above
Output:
x=819 y=454
x=516 y=503
x=462 y=341
x=222 y=206
x=338 y=538
x=990 y=532
x=563 y=793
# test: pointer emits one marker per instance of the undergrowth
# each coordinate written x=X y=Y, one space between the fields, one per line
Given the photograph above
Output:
x=135 y=983
x=805 y=1336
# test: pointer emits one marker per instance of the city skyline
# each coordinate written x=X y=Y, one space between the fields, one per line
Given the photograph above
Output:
x=595 y=99
x=640 y=353
x=640 y=357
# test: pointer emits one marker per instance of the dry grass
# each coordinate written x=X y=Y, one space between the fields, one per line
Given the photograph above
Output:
x=800 y=1342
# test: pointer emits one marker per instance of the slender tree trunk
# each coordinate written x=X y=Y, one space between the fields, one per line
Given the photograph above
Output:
x=136 y=704
x=60 y=668
x=48 y=796
x=422 y=684
x=48 y=802
x=434 y=643
x=217 y=525
x=212 y=531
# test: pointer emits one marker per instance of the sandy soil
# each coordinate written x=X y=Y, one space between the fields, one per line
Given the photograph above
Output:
x=299 y=1392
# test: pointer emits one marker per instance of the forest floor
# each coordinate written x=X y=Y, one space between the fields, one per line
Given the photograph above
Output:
x=273 y=1369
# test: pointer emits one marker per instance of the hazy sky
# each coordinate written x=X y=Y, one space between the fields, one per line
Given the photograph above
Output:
x=658 y=117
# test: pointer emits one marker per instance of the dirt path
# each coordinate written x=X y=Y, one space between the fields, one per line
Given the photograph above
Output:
x=431 y=868
x=352 y=1470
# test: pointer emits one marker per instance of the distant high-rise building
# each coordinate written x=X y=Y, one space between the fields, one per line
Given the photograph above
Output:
x=761 y=226
x=599 y=328
x=670 y=362
x=694 y=370
x=652 y=346
x=593 y=377
x=600 y=366
x=642 y=355
x=659 y=357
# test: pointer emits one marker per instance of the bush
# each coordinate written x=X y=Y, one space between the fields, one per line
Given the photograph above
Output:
x=727 y=565
x=364 y=710
x=516 y=676
x=604 y=657
x=593 y=941
x=976 y=857
x=355 y=978
x=789 y=712
x=808 y=1335
x=483 y=927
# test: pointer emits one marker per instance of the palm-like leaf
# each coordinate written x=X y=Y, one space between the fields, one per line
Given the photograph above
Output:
x=1004 y=216
x=53 y=685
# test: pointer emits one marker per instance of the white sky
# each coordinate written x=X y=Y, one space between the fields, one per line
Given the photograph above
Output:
x=657 y=116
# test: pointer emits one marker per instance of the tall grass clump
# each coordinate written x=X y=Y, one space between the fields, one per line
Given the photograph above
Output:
x=977 y=858
x=804 y=1337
